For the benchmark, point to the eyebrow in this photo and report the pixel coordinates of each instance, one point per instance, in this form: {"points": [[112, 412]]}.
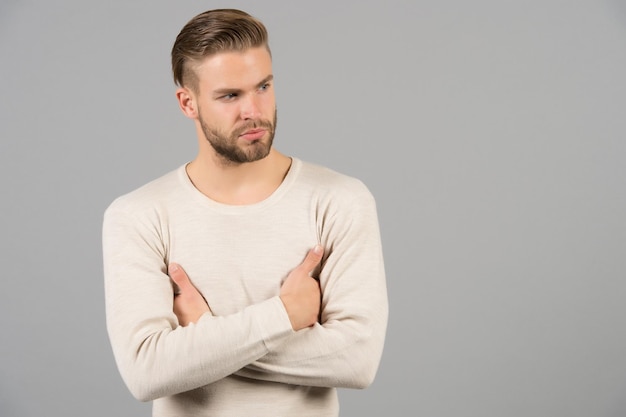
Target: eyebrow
{"points": [[225, 91]]}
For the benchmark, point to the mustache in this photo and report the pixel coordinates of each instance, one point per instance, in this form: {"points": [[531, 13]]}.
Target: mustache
{"points": [[253, 124]]}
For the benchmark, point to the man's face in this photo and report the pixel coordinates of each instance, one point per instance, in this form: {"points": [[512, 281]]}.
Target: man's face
{"points": [[236, 104]]}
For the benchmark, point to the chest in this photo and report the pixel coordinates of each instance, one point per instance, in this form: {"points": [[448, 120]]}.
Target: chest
{"points": [[239, 260]]}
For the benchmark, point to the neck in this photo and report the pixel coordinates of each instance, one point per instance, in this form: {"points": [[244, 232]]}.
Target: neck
{"points": [[238, 184]]}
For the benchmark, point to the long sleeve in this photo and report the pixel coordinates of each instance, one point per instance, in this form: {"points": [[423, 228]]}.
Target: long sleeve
{"points": [[345, 349], [155, 356]]}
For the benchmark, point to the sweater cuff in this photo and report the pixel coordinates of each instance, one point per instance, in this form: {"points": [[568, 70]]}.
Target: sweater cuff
{"points": [[274, 325]]}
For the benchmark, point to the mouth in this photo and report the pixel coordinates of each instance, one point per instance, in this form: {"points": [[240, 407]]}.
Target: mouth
{"points": [[253, 134]]}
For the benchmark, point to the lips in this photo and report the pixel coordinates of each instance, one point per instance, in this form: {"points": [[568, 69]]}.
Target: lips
{"points": [[253, 134]]}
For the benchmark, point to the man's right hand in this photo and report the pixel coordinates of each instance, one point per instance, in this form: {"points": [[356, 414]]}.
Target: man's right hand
{"points": [[300, 293], [189, 304]]}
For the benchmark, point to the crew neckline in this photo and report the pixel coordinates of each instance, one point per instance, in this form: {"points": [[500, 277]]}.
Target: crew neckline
{"points": [[206, 201]]}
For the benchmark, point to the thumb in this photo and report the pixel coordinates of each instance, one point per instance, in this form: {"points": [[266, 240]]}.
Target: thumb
{"points": [[312, 258], [179, 276]]}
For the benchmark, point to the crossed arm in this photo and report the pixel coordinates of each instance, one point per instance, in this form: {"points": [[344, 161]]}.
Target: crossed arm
{"points": [[341, 344]]}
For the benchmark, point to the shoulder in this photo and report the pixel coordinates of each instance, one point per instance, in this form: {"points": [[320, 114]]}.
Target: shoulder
{"points": [[149, 197], [334, 191], [333, 183]]}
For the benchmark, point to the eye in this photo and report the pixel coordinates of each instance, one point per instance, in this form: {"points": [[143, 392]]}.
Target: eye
{"points": [[265, 87], [228, 97]]}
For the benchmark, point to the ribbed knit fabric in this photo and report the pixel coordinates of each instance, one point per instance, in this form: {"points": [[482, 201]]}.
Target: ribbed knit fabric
{"points": [[243, 358]]}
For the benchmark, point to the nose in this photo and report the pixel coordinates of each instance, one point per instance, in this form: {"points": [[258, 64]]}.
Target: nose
{"points": [[250, 107]]}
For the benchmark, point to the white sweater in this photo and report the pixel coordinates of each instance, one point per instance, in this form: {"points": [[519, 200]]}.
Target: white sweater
{"points": [[244, 359]]}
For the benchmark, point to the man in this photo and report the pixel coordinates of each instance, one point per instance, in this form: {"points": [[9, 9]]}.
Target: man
{"points": [[246, 282]]}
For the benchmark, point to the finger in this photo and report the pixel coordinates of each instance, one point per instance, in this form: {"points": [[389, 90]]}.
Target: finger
{"points": [[179, 276], [312, 258]]}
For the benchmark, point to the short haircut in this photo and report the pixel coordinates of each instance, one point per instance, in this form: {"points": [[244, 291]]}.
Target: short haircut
{"points": [[212, 32]]}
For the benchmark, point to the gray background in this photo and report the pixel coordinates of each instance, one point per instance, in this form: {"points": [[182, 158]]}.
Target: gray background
{"points": [[490, 132]]}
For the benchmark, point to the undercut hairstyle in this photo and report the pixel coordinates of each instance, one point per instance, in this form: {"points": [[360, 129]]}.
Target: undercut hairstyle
{"points": [[212, 32]]}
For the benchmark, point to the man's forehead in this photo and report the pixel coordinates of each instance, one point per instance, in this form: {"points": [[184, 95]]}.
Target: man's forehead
{"points": [[235, 67]]}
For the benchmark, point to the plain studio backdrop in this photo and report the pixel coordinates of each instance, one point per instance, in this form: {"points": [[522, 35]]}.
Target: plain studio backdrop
{"points": [[492, 134]]}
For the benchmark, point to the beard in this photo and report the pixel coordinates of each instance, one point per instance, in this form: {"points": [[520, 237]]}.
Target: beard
{"points": [[226, 144]]}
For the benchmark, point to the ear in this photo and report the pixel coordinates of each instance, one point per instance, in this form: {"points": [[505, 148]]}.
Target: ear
{"points": [[187, 102]]}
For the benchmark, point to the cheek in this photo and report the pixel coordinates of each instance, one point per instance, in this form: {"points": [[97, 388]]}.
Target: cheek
{"points": [[269, 105], [222, 116]]}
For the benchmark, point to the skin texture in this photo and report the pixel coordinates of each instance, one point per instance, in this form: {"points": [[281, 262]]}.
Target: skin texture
{"points": [[234, 112]]}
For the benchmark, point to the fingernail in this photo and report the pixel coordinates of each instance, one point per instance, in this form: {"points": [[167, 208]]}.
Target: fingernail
{"points": [[317, 249], [173, 268]]}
